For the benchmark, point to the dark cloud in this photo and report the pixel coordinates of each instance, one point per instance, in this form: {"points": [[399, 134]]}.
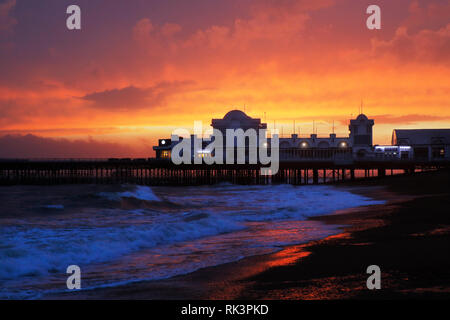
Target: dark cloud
{"points": [[31, 146], [427, 14], [131, 97], [6, 21], [425, 46]]}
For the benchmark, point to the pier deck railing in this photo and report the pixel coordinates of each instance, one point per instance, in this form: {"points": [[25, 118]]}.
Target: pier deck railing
{"points": [[163, 172]]}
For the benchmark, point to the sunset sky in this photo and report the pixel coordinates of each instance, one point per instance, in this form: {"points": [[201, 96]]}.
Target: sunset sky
{"points": [[139, 69]]}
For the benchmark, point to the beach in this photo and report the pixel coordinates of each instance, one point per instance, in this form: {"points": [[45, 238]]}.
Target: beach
{"points": [[407, 237]]}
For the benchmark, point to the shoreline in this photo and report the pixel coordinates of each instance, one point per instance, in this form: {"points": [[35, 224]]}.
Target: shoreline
{"points": [[330, 268], [204, 277]]}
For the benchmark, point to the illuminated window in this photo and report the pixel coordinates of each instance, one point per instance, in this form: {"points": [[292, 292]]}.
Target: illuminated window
{"points": [[438, 152], [204, 153], [165, 154]]}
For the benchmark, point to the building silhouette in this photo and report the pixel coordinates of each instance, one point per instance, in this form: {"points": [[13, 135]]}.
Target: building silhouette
{"points": [[416, 144], [426, 144], [359, 142]]}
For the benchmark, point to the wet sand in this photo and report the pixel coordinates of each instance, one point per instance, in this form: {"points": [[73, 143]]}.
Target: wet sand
{"points": [[408, 238]]}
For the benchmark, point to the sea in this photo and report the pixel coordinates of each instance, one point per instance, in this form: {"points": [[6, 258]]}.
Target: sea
{"points": [[120, 234]]}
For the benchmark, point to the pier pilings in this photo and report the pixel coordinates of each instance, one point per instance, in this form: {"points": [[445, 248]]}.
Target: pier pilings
{"points": [[156, 172]]}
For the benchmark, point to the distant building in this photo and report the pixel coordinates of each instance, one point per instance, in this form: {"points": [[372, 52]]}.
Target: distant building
{"points": [[164, 148], [361, 135], [393, 152], [427, 144], [234, 119], [357, 144], [314, 147], [237, 119]]}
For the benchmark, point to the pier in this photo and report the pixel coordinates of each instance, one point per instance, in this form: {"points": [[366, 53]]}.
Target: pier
{"points": [[157, 172]]}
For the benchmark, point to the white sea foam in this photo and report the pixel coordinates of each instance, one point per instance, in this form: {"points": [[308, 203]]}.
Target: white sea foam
{"points": [[225, 216], [271, 203], [39, 251], [138, 192]]}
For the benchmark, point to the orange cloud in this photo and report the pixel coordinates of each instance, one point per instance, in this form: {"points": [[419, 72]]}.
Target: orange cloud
{"points": [[291, 60]]}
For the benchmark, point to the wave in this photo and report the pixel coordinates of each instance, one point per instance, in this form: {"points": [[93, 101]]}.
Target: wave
{"points": [[39, 251], [164, 219], [140, 192], [272, 203]]}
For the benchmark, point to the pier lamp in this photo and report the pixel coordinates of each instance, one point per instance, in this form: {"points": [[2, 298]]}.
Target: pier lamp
{"points": [[163, 142], [304, 144], [204, 153], [343, 144]]}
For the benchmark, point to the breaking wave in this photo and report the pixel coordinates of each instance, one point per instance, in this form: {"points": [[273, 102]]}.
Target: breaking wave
{"points": [[188, 227], [139, 192], [39, 251]]}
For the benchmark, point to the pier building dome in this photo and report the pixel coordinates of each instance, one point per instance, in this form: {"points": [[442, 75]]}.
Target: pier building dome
{"points": [[235, 115]]}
